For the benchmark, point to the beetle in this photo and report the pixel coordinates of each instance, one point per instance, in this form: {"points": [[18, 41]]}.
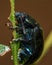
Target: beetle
{"points": [[31, 38]]}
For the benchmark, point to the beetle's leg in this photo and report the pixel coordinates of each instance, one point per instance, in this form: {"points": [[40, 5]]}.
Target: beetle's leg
{"points": [[9, 25], [20, 51], [15, 39], [14, 28], [18, 39]]}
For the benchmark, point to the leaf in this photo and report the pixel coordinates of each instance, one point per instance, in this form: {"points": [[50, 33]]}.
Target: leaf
{"points": [[4, 49]]}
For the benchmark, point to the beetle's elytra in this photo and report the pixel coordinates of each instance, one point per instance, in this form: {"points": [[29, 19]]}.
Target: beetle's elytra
{"points": [[31, 38]]}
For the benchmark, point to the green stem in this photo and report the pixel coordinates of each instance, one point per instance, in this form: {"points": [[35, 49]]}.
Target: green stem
{"points": [[14, 45]]}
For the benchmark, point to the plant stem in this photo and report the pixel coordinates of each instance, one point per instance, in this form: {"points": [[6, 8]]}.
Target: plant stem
{"points": [[14, 45]]}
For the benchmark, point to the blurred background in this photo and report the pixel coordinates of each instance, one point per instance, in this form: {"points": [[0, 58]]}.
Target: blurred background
{"points": [[40, 10]]}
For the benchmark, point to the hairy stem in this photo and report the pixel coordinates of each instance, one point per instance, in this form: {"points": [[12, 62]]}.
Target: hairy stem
{"points": [[14, 45]]}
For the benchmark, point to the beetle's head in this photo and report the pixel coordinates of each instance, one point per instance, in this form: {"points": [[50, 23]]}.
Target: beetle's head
{"points": [[26, 19]]}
